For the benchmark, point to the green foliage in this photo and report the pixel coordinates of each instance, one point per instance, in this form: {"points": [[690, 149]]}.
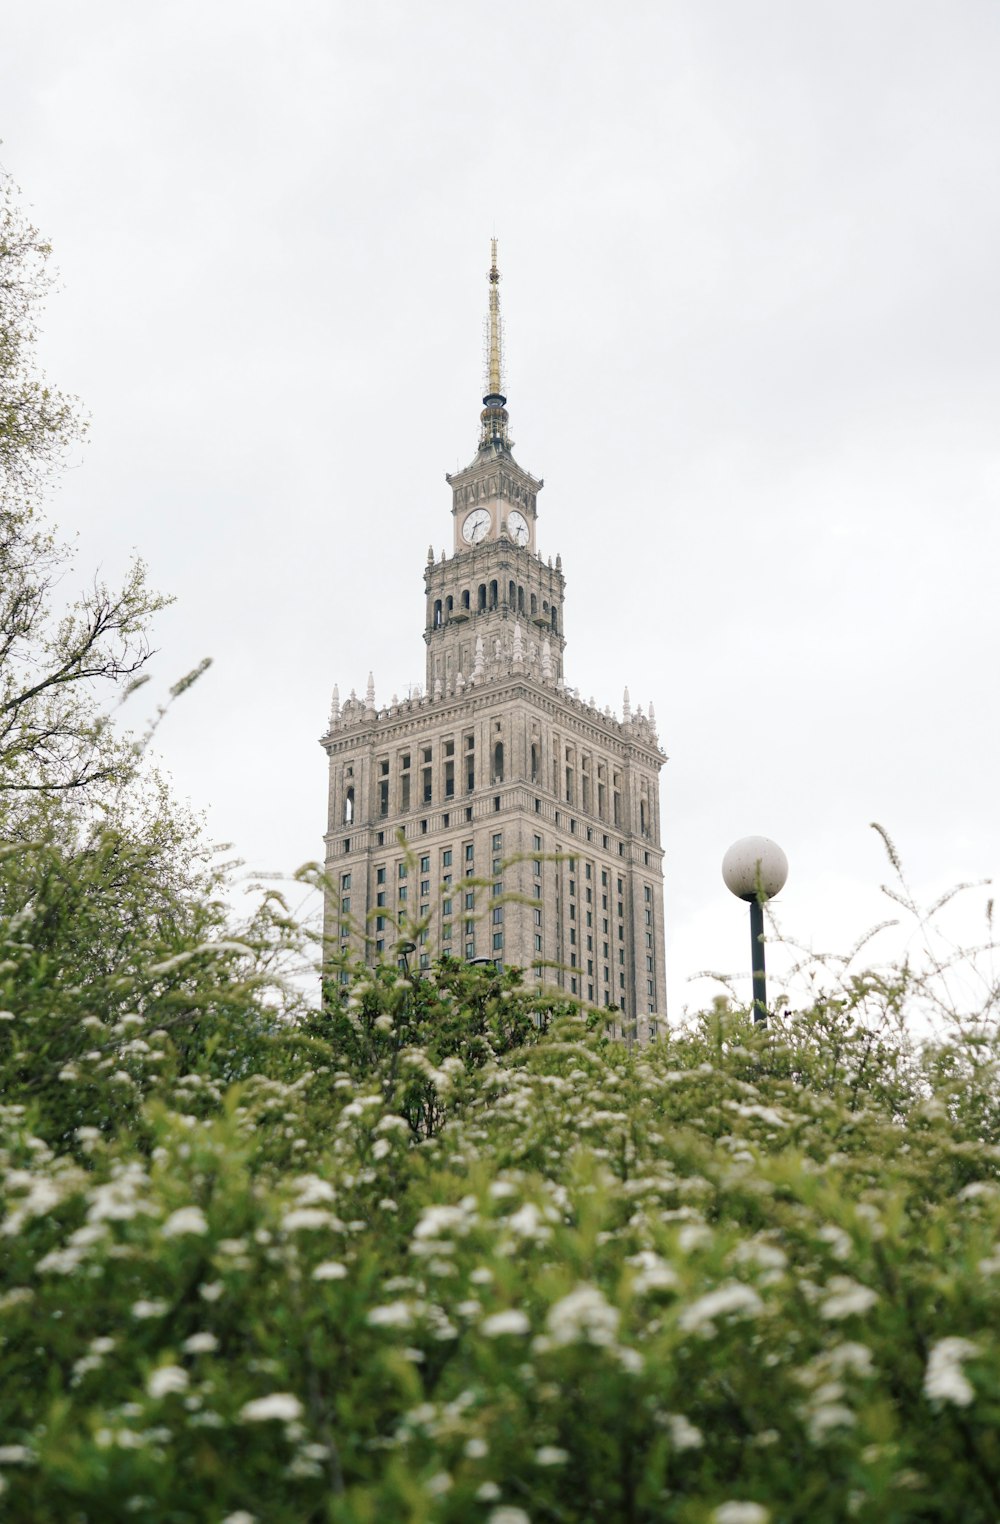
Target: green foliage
{"points": [[433, 1254], [53, 732]]}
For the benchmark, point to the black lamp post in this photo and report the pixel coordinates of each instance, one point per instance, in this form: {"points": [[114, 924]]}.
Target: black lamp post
{"points": [[755, 869]]}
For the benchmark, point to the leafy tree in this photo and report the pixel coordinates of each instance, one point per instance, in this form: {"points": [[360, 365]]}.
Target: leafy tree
{"points": [[53, 659]]}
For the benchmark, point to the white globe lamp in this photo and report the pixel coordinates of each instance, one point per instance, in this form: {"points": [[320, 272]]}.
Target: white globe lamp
{"points": [[755, 869]]}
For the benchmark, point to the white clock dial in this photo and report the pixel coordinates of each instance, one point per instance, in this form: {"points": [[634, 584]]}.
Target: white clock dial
{"points": [[517, 527], [476, 526]]}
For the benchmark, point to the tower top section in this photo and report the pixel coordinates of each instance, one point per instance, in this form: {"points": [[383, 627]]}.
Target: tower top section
{"points": [[493, 435]]}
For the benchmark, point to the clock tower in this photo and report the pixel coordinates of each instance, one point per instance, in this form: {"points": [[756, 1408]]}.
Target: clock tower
{"points": [[497, 814]]}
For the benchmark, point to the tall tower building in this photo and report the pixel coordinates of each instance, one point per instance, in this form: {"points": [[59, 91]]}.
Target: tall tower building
{"points": [[496, 814]]}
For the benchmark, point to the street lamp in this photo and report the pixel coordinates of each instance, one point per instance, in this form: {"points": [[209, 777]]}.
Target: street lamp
{"points": [[755, 869]]}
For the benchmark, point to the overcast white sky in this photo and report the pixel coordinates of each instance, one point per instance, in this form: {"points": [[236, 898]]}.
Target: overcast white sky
{"points": [[750, 252]]}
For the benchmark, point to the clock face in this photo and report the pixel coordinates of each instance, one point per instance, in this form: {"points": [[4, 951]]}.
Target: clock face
{"points": [[517, 527], [476, 526]]}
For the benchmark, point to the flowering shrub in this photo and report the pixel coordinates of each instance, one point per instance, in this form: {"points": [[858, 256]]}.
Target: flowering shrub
{"points": [[437, 1254]]}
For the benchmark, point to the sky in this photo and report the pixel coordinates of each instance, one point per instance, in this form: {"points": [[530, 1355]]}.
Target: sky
{"points": [[750, 255]]}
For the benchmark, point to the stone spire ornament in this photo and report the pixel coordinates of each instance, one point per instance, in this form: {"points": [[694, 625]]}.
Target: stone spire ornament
{"points": [[335, 705], [546, 661], [518, 648], [626, 708]]}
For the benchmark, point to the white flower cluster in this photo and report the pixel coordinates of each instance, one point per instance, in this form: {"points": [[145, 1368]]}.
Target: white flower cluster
{"points": [[585, 1315], [846, 1298], [734, 1299], [944, 1378]]}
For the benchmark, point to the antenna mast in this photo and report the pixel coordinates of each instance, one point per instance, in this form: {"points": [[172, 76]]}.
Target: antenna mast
{"points": [[493, 434]]}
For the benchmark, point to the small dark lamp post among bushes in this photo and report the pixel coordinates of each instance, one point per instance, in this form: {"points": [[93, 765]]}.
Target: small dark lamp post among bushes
{"points": [[755, 869]]}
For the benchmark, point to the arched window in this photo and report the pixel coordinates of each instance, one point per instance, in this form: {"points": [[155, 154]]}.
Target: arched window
{"points": [[555, 622], [643, 820], [349, 806], [534, 763], [520, 600], [481, 597], [494, 594], [534, 604], [465, 599], [512, 595], [449, 606], [498, 762], [437, 613]]}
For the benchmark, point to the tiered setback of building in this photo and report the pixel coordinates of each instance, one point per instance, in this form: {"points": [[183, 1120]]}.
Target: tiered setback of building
{"points": [[495, 815]]}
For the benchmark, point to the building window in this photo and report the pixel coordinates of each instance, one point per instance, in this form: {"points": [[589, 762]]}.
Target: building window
{"points": [[401, 870], [497, 941], [446, 858], [470, 900], [345, 881], [468, 852], [470, 949], [538, 915], [498, 915], [425, 865], [538, 942], [425, 886], [497, 841], [402, 891], [380, 875], [380, 897]]}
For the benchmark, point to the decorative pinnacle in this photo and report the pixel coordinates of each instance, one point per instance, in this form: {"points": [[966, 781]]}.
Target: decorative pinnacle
{"points": [[494, 414]]}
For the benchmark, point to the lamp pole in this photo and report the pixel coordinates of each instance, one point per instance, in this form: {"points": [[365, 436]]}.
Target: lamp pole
{"points": [[755, 869]]}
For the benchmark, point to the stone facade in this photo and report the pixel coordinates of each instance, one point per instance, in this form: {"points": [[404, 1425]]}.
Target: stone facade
{"points": [[495, 814]]}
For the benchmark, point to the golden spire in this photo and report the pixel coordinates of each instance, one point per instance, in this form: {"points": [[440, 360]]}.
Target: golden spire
{"points": [[494, 369], [494, 414]]}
